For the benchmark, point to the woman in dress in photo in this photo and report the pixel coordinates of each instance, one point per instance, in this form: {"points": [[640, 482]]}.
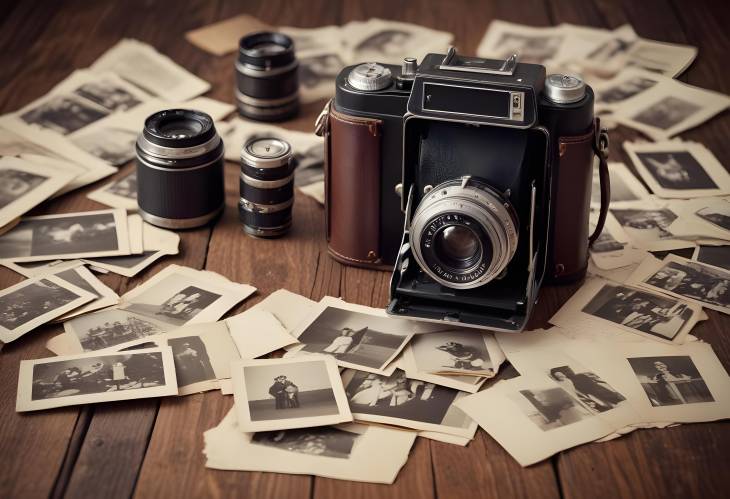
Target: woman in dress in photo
{"points": [[341, 343], [589, 389]]}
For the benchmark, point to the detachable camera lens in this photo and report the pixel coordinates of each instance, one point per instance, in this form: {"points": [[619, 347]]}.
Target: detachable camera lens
{"points": [[267, 83], [463, 233], [179, 169], [267, 187]]}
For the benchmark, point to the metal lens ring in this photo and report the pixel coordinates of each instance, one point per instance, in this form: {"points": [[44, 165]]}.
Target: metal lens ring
{"points": [[463, 233]]}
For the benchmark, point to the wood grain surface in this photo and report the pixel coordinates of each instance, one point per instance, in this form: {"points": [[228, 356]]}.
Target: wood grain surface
{"points": [[153, 448]]}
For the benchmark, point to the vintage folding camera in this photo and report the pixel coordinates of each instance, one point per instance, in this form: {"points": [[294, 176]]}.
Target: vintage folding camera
{"points": [[472, 177]]}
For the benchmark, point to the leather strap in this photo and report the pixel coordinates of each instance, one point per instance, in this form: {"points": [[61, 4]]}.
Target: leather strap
{"points": [[600, 147]]}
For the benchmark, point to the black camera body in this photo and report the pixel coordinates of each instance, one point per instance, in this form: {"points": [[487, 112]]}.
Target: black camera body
{"points": [[472, 159]]}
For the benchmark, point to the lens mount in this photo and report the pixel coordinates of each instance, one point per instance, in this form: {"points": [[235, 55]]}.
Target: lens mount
{"points": [[463, 233]]}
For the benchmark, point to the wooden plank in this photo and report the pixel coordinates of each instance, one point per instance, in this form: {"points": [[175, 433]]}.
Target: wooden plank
{"points": [[292, 262]]}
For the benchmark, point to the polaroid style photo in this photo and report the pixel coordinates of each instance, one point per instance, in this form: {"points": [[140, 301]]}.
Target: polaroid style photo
{"points": [[625, 187], [354, 336], [458, 351], [120, 193], [36, 301], [674, 169], [716, 256], [82, 278], [603, 304], [363, 453], [24, 185], [397, 400], [533, 418], [142, 65], [671, 108], [695, 282], [93, 378], [280, 394], [677, 384], [67, 236], [180, 295]]}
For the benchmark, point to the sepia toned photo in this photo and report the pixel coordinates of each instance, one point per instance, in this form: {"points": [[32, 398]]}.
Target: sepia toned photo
{"points": [[325, 441], [15, 183], [551, 408], [629, 309], [111, 327], [317, 73], [63, 114], [678, 170], [71, 235], [280, 394], [670, 380], [36, 301], [455, 351], [90, 378], [400, 401], [120, 193], [354, 339], [667, 112], [192, 364]]}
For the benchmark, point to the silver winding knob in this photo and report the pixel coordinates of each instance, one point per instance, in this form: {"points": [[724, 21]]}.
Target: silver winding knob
{"points": [[369, 77]]}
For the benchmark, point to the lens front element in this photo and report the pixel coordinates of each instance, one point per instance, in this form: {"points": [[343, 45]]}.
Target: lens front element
{"points": [[463, 234]]}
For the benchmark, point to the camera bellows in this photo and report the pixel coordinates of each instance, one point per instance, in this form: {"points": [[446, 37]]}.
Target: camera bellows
{"points": [[179, 169], [267, 83], [267, 187]]}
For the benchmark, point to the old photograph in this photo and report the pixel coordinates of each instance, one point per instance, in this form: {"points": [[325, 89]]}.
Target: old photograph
{"points": [[400, 401], [693, 281], [107, 93], [71, 235], [600, 303], [115, 145], [82, 278], [180, 295], [551, 408], [717, 256], [390, 41], [192, 363], [622, 88], [667, 113], [587, 388], [718, 214], [63, 114], [280, 394], [111, 327], [36, 301], [624, 186], [456, 351], [366, 341], [90, 378], [649, 228], [670, 380], [142, 65], [534, 45], [24, 185], [326, 441], [317, 73]]}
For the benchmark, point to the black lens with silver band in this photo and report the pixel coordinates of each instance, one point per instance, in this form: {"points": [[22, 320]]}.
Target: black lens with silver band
{"points": [[179, 169], [267, 83], [463, 233], [266, 186]]}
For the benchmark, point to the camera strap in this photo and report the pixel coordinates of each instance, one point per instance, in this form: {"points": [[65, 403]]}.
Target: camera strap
{"points": [[600, 148]]}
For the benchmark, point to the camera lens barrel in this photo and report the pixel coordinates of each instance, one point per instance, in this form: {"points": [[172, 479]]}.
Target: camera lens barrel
{"points": [[179, 169], [267, 187], [267, 82]]}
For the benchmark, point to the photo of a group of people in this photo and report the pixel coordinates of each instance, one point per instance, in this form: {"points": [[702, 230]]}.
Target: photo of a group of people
{"points": [[108, 328], [31, 301], [695, 281]]}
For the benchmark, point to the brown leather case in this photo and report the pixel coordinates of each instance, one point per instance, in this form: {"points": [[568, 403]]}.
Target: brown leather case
{"points": [[572, 204], [352, 188]]}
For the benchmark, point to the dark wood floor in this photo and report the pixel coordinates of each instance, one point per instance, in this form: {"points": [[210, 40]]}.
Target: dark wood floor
{"points": [[153, 448]]}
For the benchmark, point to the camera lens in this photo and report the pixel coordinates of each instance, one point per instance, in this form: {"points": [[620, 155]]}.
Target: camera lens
{"points": [[267, 83], [267, 187], [463, 233], [179, 169]]}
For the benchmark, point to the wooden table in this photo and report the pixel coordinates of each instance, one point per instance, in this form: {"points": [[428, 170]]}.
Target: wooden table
{"points": [[153, 448]]}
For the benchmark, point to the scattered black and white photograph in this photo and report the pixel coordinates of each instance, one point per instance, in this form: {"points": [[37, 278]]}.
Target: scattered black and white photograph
{"points": [[111, 327], [82, 278], [676, 170], [33, 302], [606, 243], [412, 403], [645, 226], [176, 308], [119, 193], [63, 114], [88, 378], [461, 351], [387, 42], [670, 380], [695, 281], [114, 145], [108, 94], [587, 388], [279, 394], [325, 441], [67, 236], [718, 214], [358, 340], [624, 186], [651, 313], [717, 256], [125, 186], [624, 90], [667, 112], [15, 184], [551, 408], [192, 363]]}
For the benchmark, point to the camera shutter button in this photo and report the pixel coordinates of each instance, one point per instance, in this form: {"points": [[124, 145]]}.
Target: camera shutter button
{"points": [[370, 77]]}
